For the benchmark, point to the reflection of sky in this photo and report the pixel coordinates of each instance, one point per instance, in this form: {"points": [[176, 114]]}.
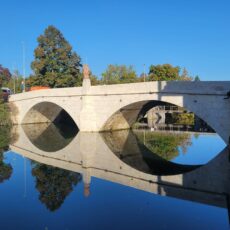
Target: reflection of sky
{"points": [[110, 206], [203, 149]]}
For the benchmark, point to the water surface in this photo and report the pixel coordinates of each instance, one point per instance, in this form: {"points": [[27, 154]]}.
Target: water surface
{"points": [[60, 179]]}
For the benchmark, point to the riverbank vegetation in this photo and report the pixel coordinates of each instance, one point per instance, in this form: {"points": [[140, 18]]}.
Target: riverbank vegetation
{"points": [[5, 169], [165, 145], [5, 124], [183, 118], [4, 114]]}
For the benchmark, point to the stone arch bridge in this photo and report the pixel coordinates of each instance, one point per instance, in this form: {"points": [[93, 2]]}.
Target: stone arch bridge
{"points": [[115, 107]]}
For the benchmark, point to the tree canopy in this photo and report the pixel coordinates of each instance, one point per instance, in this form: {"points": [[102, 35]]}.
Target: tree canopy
{"points": [[163, 72], [197, 78], [15, 82], [5, 76], [55, 64], [115, 74], [167, 72]]}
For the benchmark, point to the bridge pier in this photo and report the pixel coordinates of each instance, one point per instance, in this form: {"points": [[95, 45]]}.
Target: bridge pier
{"points": [[88, 117]]}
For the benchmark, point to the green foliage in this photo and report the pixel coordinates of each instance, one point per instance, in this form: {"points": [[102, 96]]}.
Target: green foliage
{"points": [[197, 78], [167, 72], [185, 76], [5, 127], [4, 138], [5, 169], [93, 78], [183, 118], [55, 64], [15, 82], [4, 113], [143, 77], [165, 145], [5, 76], [116, 74], [54, 184]]}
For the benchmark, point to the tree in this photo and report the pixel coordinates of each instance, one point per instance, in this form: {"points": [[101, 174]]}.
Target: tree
{"points": [[142, 77], [196, 78], [55, 64], [185, 76], [165, 72], [115, 74], [5, 76], [15, 82]]}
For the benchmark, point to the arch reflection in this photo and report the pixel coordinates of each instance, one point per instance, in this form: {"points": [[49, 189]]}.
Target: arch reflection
{"points": [[146, 153], [49, 137], [106, 156]]}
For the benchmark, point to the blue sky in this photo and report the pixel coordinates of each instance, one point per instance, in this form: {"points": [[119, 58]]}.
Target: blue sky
{"points": [[193, 34]]}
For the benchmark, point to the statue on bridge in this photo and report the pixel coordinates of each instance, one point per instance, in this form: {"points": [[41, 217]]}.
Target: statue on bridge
{"points": [[86, 71]]}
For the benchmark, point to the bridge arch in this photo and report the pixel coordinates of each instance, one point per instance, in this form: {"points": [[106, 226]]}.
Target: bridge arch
{"points": [[47, 112], [126, 116]]}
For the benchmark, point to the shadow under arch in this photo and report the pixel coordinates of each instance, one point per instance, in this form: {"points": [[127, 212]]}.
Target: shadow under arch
{"points": [[128, 149], [47, 112], [49, 127], [125, 117]]}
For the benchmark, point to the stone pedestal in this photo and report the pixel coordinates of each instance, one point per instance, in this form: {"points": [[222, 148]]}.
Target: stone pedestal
{"points": [[88, 117]]}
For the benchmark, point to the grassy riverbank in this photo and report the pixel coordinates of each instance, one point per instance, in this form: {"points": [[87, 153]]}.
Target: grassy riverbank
{"points": [[4, 114]]}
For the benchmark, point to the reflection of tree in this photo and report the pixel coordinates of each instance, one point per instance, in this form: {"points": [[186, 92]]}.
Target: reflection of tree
{"points": [[196, 135], [166, 145], [54, 184], [135, 150], [5, 169]]}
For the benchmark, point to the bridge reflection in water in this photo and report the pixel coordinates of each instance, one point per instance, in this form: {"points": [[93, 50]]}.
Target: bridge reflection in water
{"points": [[124, 158]]}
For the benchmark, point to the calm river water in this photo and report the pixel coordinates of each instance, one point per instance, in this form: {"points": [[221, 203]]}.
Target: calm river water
{"points": [[57, 178]]}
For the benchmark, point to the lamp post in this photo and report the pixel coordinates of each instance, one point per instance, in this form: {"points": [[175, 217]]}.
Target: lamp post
{"points": [[23, 67], [144, 72], [14, 76]]}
